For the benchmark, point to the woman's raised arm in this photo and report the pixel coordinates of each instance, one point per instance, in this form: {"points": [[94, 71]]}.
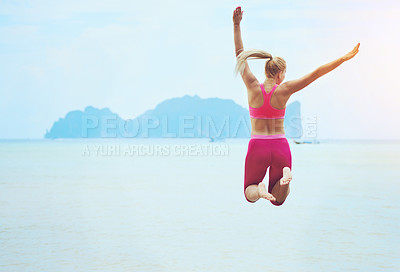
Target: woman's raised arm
{"points": [[248, 78], [292, 86], [237, 17]]}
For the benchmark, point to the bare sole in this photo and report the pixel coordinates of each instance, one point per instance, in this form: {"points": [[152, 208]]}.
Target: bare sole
{"points": [[262, 192], [287, 176]]}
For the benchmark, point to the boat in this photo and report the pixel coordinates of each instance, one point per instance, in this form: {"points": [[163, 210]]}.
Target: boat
{"points": [[217, 139], [300, 141]]}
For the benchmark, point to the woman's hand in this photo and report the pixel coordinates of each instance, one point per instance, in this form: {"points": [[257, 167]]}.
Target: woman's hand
{"points": [[352, 53], [237, 16]]}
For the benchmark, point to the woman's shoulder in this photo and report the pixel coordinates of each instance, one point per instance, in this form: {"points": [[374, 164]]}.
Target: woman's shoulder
{"points": [[279, 97], [254, 87], [281, 89]]}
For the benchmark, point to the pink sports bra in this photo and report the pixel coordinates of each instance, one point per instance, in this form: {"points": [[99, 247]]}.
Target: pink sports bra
{"points": [[266, 111]]}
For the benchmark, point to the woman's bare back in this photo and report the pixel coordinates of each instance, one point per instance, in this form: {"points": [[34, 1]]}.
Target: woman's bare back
{"points": [[278, 101]]}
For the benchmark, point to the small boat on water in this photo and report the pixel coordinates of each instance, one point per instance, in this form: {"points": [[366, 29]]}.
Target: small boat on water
{"points": [[217, 139], [299, 141]]}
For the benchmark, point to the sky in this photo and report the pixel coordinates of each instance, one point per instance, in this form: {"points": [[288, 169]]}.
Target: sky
{"points": [[58, 56]]}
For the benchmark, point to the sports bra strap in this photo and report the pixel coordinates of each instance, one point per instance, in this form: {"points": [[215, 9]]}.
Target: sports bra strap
{"points": [[262, 87], [270, 93]]}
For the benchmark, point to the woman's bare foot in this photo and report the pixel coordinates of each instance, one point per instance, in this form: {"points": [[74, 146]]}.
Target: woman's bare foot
{"points": [[262, 192], [287, 176]]}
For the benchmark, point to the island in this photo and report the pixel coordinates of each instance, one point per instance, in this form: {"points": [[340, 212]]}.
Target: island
{"points": [[178, 117]]}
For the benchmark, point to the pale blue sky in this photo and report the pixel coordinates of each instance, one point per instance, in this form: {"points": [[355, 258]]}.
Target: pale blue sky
{"points": [[58, 56]]}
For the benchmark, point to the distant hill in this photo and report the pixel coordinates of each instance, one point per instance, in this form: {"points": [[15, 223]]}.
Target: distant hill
{"points": [[292, 122], [182, 117]]}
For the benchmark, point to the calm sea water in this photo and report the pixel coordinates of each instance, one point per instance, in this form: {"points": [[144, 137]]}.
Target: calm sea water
{"points": [[149, 205]]}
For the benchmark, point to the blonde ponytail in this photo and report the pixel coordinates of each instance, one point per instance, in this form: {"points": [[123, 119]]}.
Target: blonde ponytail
{"points": [[272, 67], [249, 54]]}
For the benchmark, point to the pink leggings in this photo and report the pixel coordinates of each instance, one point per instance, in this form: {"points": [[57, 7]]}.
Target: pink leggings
{"points": [[266, 151]]}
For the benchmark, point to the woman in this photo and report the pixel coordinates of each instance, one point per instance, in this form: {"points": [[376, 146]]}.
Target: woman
{"points": [[268, 146]]}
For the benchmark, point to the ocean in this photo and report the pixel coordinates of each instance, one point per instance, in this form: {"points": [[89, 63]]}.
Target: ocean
{"points": [[178, 205]]}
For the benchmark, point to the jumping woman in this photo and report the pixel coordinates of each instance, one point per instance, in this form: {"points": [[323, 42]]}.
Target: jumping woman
{"points": [[268, 146]]}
